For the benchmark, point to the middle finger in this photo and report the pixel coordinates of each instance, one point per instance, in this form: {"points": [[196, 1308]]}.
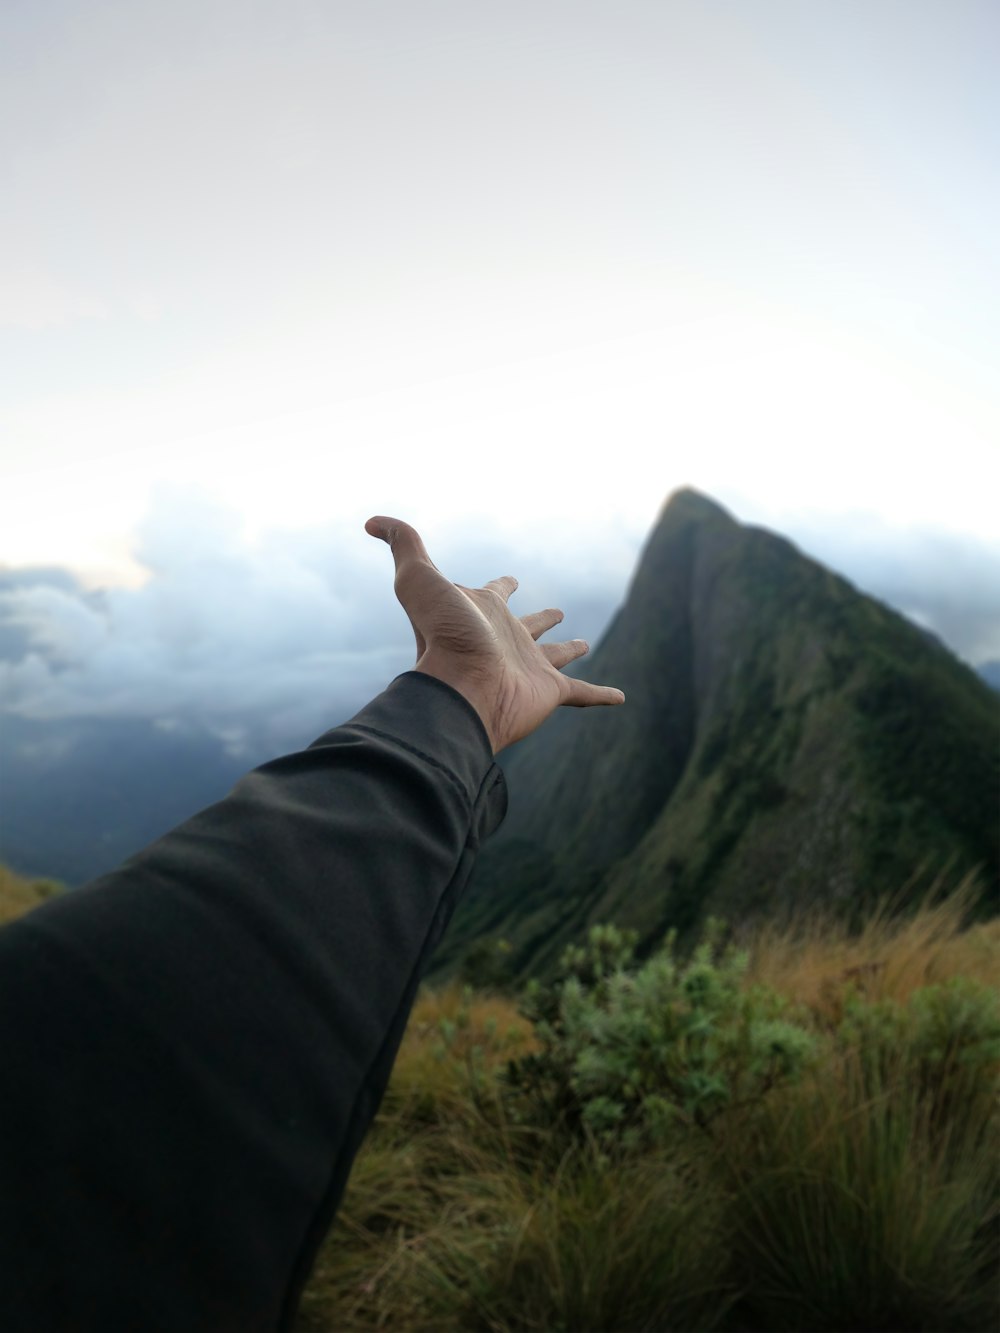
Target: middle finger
{"points": [[539, 621]]}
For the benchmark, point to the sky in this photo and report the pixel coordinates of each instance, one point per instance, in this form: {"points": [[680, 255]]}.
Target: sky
{"points": [[513, 272]]}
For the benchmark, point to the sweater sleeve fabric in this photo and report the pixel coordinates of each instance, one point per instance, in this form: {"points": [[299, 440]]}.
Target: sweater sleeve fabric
{"points": [[193, 1046]]}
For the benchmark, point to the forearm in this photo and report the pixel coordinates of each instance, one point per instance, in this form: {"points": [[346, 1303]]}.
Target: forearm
{"points": [[207, 1032]]}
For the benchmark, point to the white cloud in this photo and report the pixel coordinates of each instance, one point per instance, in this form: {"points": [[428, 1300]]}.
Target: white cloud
{"points": [[780, 218], [60, 625], [273, 634], [276, 636], [266, 638]]}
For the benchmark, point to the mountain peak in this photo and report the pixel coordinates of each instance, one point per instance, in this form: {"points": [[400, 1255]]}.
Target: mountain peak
{"points": [[689, 505], [785, 740]]}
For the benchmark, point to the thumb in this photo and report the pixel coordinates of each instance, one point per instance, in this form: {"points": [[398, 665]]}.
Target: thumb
{"points": [[413, 567], [404, 542]]}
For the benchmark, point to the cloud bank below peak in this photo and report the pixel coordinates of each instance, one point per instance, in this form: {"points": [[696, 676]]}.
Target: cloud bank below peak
{"points": [[269, 638], [265, 642]]}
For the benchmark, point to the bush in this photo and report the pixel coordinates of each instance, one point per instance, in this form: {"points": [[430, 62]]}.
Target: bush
{"points": [[630, 1052]]}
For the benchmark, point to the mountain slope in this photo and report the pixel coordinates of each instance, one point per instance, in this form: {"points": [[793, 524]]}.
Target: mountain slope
{"points": [[785, 739]]}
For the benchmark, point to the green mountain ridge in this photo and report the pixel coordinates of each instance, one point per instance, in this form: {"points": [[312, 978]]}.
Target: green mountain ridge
{"points": [[786, 740]]}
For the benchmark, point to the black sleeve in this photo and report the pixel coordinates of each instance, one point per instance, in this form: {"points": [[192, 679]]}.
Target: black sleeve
{"points": [[193, 1046]]}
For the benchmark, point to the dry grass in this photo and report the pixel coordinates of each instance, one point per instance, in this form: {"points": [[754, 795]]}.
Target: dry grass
{"points": [[455, 1044], [19, 894], [438, 1180], [816, 961]]}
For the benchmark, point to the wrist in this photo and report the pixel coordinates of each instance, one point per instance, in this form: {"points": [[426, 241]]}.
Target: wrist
{"points": [[480, 697]]}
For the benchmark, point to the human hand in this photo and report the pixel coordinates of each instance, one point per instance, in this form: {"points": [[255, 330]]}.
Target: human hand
{"points": [[469, 638]]}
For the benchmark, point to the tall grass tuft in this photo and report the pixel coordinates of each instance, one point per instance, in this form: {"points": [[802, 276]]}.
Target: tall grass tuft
{"points": [[854, 1209], [816, 960], [629, 1245]]}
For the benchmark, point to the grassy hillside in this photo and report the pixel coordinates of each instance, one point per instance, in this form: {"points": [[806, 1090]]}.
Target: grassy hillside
{"points": [[18, 894], [797, 1133], [799, 1137]]}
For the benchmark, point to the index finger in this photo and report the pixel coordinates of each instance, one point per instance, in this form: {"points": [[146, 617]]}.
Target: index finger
{"points": [[503, 586]]}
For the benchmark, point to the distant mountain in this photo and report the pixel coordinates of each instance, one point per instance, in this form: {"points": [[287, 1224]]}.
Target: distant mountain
{"points": [[785, 741], [990, 672], [77, 796]]}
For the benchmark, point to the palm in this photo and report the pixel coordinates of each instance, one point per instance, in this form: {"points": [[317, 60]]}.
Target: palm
{"points": [[469, 638]]}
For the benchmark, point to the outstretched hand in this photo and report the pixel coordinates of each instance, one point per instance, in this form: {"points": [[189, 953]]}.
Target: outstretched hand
{"points": [[469, 638]]}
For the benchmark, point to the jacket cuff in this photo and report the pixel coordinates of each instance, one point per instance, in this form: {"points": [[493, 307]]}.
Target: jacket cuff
{"points": [[435, 722]]}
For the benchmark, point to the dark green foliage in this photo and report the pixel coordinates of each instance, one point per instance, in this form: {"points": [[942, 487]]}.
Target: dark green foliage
{"points": [[488, 965], [915, 721]]}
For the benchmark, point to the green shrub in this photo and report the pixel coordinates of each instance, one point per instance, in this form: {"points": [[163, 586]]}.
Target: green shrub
{"points": [[630, 1052]]}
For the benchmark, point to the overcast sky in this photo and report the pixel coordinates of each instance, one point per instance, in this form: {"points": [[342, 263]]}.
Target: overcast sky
{"points": [[513, 271]]}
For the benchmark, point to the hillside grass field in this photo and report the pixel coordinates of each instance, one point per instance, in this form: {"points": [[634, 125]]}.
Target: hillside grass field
{"points": [[792, 1131], [807, 1142]]}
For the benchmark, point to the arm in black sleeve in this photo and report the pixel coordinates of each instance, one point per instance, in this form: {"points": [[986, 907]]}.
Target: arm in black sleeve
{"points": [[193, 1046]]}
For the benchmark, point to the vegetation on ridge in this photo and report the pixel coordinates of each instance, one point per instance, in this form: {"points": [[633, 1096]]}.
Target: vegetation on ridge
{"points": [[787, 742]]}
